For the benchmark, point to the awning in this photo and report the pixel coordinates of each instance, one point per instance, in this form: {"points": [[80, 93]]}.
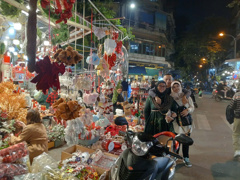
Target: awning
{"points": [[137, 70], [232, 60], [152, 72]]}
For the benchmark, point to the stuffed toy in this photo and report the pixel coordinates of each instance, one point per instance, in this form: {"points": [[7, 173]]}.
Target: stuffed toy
{"points": [[68, 56], [67, 110]]}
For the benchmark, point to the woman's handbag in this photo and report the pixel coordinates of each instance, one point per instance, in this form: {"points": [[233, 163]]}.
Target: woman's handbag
{"points": [[186, 120]]}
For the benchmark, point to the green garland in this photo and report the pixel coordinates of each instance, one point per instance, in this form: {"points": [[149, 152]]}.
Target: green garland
{"points": [[2, 48], [9, 10], [61, 34], [115, 94]]}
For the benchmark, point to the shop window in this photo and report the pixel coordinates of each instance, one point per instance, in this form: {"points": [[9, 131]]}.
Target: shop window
{"points": [[134, 47]]}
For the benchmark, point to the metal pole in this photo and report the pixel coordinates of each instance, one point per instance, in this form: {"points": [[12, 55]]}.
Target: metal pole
{"points": [[235, 48], [83, 34]]}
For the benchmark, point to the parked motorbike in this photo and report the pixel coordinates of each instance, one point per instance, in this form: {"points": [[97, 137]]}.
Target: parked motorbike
{"points": [[148, 157], [219, 97]]}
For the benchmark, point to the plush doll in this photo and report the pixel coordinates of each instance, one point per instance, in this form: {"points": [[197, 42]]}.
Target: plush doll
{"points": [[55, 56], [68, 56], [59, 101], [73, 105]]}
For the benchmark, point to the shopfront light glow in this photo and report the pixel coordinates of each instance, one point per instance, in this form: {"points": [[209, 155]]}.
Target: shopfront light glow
{"points": [[17, 26], [16, 42], [11, 49]]}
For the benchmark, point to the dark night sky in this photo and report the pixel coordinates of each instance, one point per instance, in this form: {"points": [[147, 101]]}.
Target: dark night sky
{"points": [[197, 10]]}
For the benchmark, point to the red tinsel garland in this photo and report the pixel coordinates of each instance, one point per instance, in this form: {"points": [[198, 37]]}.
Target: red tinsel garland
{"points": [[64, 14]]}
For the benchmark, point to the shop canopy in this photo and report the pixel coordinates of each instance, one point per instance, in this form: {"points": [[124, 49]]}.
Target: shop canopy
{"points": [[137, 70], [152, 72]]}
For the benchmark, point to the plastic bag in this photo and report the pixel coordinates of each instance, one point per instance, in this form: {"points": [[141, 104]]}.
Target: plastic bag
{"points": [[41, 161], [9, 170], [14, 153]]}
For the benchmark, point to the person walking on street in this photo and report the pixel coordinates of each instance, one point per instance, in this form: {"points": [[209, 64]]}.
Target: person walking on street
{"points": [[125, 89], [153, 83], [235, 105], [155, 111], [177, 94], [168, 80]]}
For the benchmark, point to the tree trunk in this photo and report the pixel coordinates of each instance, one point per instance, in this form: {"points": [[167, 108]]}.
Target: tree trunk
{"points": [[32, 35]]}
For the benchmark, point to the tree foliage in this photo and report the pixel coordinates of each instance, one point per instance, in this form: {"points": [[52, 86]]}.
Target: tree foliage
{"points": [[202, 42], [234, 3]]}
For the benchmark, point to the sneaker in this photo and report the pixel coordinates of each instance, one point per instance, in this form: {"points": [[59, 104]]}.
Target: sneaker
{"points": [[187, 162], [237, 154]]}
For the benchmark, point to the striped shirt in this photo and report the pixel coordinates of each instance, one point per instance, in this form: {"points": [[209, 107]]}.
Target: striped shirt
{"points": [[235, 104]]}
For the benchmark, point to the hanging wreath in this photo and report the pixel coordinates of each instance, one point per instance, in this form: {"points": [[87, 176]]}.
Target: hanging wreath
{"points": [[61, 12], [9, 10]]}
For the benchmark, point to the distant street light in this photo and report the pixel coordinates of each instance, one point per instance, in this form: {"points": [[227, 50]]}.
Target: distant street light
{"points": [[235, 43], [200, 66], [203, 59], [132, 5]]}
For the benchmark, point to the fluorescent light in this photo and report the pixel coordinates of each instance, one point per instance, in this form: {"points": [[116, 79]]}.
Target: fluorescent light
{"points": [[17, 26], [132, 5], [16, 42]]}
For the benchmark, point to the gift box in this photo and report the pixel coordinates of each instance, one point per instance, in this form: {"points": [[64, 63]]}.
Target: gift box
{"points": [[67, 153]]}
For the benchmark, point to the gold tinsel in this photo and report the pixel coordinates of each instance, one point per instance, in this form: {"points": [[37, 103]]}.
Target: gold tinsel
{"points": [[13, 103]]}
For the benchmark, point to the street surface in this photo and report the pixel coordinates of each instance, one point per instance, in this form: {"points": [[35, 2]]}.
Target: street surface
{"points": [[212, 151]]}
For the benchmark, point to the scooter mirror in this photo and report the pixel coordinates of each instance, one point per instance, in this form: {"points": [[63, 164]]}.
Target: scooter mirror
{"points": [[120, 121], [184, 139]]}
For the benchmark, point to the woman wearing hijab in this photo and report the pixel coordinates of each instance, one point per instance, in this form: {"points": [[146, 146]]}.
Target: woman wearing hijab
{"points": [[155, 112], [177, 94]]}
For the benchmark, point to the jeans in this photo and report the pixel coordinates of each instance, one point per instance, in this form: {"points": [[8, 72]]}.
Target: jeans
{"points": [[125, 94], [236, 134]]}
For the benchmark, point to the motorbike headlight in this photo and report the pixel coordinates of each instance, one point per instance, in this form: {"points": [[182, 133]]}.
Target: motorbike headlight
{"points": [[140, 148]]}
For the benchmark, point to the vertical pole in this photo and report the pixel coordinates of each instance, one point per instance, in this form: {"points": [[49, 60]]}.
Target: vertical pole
{"points": [[75, 34], [235, 48], [83, 33]]}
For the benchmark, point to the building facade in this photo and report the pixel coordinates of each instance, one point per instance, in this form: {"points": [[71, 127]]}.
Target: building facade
{"points": [[154, 31]]}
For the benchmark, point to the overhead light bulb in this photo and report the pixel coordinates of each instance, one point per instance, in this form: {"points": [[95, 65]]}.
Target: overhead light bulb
{"points": [[16, 42], [17, 26], [11, 31], [11, 49], [46, 43]]}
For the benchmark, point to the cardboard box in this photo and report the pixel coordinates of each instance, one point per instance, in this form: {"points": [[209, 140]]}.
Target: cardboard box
{"points": [[67, 153], [50, 145]]}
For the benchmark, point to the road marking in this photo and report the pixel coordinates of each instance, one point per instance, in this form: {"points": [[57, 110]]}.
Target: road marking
{"points": [[226, 122], [202, 122]]}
